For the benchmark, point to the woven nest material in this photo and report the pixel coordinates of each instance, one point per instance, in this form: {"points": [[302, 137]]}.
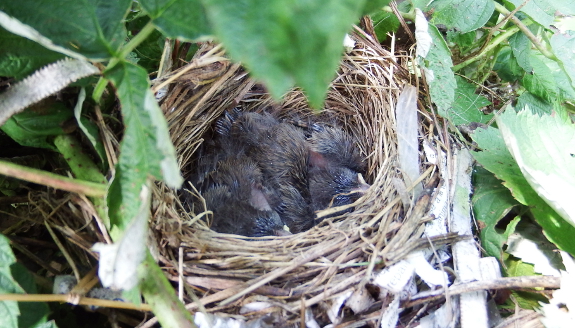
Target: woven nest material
{"points": [[299, 276], [309, 270]]}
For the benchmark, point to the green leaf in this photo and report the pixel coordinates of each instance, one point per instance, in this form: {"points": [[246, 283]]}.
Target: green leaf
{"points": [[33, 313], [541, 11], [90, 129], [464, 41], [518, 268], [383, 23], [507, 66], [521, 47], [92, 28], [491, 202], [497, 159], [536, 105], [540, 81], [440, 77], [372, 6], [149, 52], [544, 149], [463, 15], [19, 56], [286, 42], [8, 309], [35, 126], [467, 105], [183, 19], [146, 147], [560, 43]]}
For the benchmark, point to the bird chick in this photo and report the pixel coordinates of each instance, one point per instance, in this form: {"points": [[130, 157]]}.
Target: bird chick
{"points": [[335, 167], [281, 151], [234, 216], [232, 186]]}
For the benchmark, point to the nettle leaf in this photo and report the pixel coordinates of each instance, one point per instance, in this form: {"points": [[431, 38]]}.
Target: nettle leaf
{"points": [[536, 105], [92, 28], [146, 147], [541, 11], [521, 47], [560, 43], [183, 19], [463, 41], [19, 56], [463, 15], [491, 202], [440, 77], [286, 42], [544, 149], [467, 105], [540, 81], [507, 67], [496, 158]]}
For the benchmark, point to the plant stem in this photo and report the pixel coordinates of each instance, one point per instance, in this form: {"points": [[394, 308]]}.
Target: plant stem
{"points": [[494, 43], [524, 29], [160, 296], [131, 45], [52, 180], [84, 168]]}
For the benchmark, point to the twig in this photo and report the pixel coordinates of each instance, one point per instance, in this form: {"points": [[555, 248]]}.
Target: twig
{"points": [[501, 283]]}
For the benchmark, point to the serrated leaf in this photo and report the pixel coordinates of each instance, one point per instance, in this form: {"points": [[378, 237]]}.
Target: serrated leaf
{"points": [[507, 67], [440, 77], [463, 15], [544, 149], [464, 41], [43, 83], [491, 202], [286, 42], [183, 19], [467, 105], [560, 44], [92, 28], [117, 268], [20, 57], [521, 47], [146, 147], [536, 105], [496, 158], [540, 80], [541, 11]]}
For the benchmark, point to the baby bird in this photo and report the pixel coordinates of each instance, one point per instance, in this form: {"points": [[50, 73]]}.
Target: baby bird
{"points": [[281, 151], [335, 167], [232, 186]]}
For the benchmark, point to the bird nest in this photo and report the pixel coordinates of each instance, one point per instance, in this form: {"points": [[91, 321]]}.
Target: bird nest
{"points": [[301, 275], [323, 274]]}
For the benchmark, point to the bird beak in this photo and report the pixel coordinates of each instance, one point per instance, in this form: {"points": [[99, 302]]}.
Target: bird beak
{"points": [[363, 186], [283, 232]]}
